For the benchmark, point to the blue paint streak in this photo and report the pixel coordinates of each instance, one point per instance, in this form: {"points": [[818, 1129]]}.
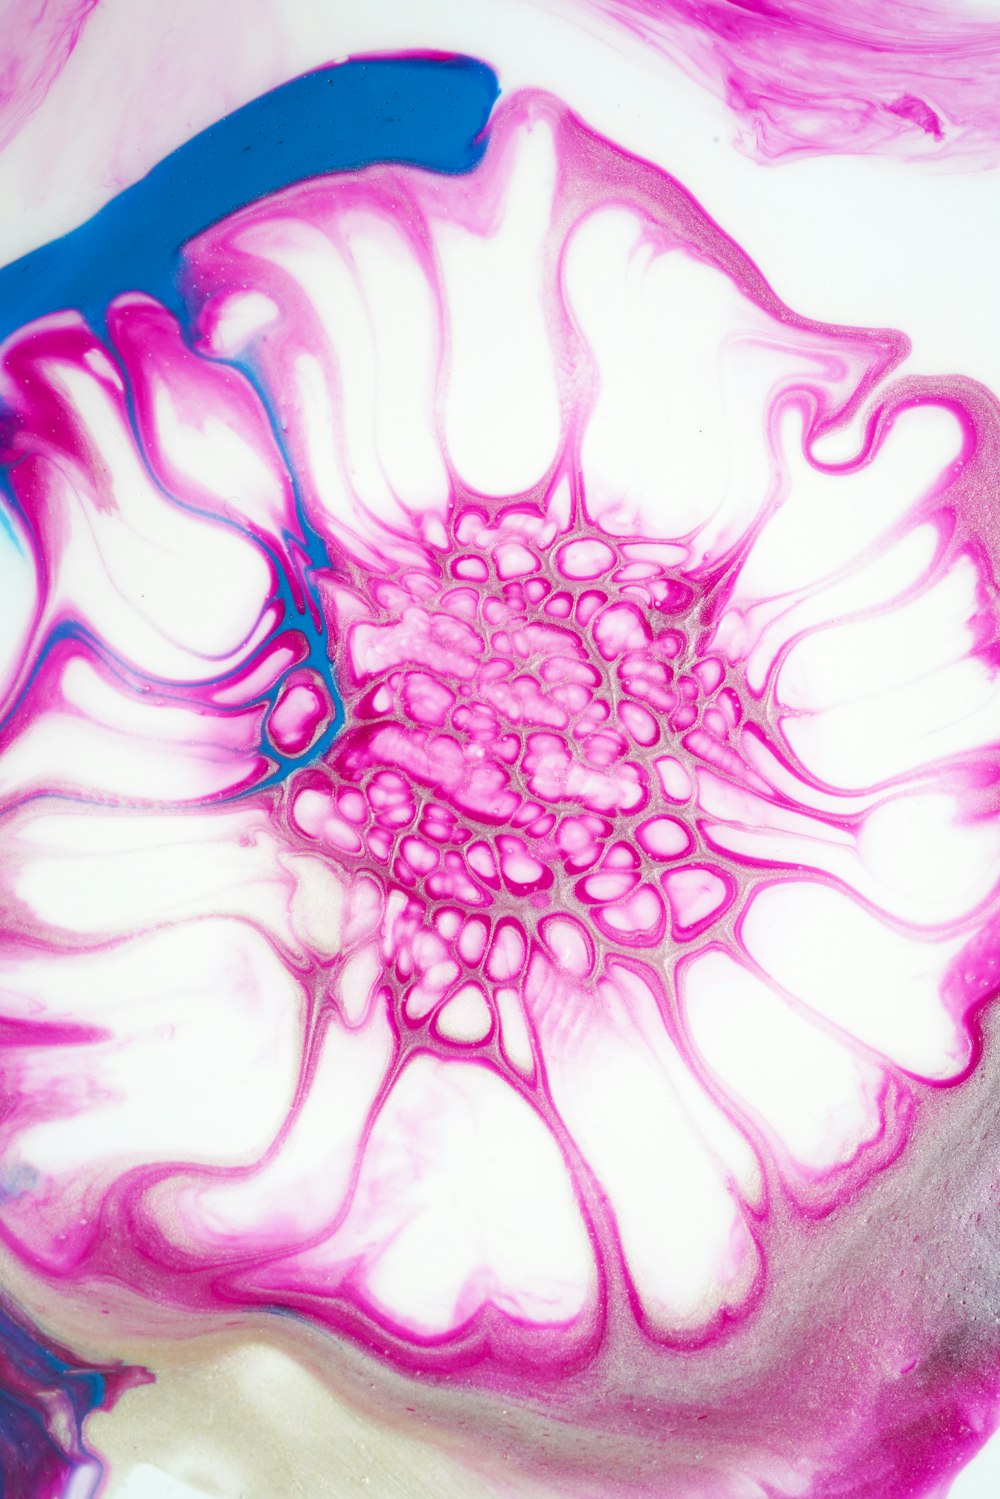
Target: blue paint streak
{"points": [[33, 1462], [429, 112], [422, 111]]}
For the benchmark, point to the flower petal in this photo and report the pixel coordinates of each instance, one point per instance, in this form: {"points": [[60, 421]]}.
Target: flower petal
{"points": [[462, 1202]]}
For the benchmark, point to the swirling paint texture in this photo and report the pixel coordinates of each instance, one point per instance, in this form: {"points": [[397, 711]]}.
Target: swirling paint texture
{"points": [[499, 825], [39, 36], [808, 78], [44, 1397]]}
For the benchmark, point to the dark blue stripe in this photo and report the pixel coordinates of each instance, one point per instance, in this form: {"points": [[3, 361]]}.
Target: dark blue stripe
{"points": [[425, 111]]}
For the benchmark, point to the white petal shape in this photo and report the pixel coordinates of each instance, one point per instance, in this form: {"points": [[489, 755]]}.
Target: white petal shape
{"points": [[366, 408], [93, 737], [830, 521], [502, 419], [819, 1102], [685, 368], [947, 713], [182, 1044], [873, 982], [96, 876], [462, 1201], [921, 638], [612, 1077], [914, 855], [302, 1186]]}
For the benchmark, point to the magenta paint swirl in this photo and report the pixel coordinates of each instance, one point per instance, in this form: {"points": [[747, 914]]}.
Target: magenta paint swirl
{"points": [[549, 1030], [803, 79]]}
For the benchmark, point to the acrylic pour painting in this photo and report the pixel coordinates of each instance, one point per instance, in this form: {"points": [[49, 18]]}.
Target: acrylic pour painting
{"points": [[499, 750]]}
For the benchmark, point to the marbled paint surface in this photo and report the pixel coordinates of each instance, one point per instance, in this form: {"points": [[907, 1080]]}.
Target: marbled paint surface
{"points": [[498, 843]]}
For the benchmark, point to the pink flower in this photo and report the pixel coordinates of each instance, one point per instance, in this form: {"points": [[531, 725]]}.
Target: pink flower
{"points": [[648, 885]]}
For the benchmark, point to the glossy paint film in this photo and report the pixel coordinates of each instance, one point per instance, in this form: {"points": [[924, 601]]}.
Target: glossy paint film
{"points": [[499, 823]]}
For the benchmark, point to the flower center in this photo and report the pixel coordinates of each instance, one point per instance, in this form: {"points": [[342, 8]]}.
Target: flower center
{"points": [[513, 768]]}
